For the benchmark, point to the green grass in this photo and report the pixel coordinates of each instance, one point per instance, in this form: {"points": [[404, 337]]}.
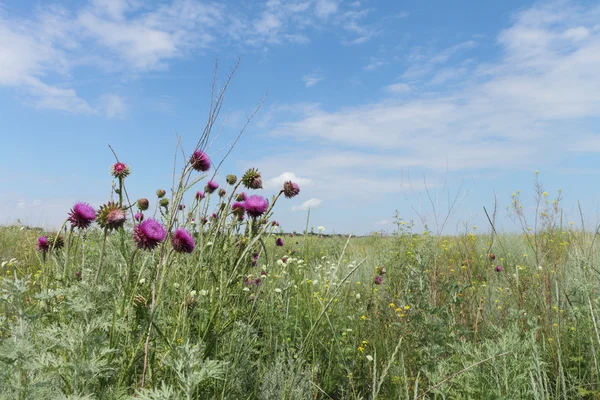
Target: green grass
{"points": [[443, 323]]}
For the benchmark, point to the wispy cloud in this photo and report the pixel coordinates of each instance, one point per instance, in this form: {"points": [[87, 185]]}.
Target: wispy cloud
{"points": [[114, 106], [509, 114], [133, 37], [312, 79], [310, 203], [277, 182]]}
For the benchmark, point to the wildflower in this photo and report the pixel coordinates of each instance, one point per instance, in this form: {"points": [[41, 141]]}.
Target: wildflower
{"points": [[378, 280], [78, 275], [369, 358], [238, 208], [381, 270], [182, 241], [256, 206], [252, 179], [120, 170], [56, 242], [164, 202], [240, 197], [160, 193], [492, 256], [279, 242], [211, 186], [200, 161], [363, 317], [42, 244], [222, 192], [357, 296], [231, 179], [111, 216], [290, 189], [181, 207], [277, 290], [143, 204], [498, 268], [274, 223], [139, 217], [149, 234], [82, 215]]}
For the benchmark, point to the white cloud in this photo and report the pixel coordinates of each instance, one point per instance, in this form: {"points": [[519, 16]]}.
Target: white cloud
{"points": [[277, 182], [507, 115], [325, 8], [311, 79], [114, 106], [311, 203], [375, 63], [398, 88]]}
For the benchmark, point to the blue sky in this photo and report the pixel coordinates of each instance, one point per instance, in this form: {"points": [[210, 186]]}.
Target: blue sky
{"points": [[369, 103]]}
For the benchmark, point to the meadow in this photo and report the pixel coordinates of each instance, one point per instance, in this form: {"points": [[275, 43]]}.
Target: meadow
{"points": [[198, 293]]}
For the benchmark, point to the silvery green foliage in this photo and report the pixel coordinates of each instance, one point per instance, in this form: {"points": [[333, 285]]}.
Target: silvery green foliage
{"points": [[286, 378], [163, 392], [192, 370], [507, 376]]}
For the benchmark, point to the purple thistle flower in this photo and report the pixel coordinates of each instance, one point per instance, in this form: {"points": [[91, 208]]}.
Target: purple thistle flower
{"points": [[199, 195], [498, 268], [42, 244], [149, 234], [284, 259], [255, 256], [182, 241], [274, 223], [181, 207], [290, 189], [378, 280], [200, 161], [211, 186], [203, 220], [82, 215], [256, 206], [279, 242], [120, 170], [214, 216], [139, 217]]}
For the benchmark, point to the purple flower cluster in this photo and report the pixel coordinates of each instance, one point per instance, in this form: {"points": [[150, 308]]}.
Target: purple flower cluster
{"points": [[279, 242]]}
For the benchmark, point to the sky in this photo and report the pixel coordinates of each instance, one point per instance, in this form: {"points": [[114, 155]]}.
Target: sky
{"points": [[370, 106]]}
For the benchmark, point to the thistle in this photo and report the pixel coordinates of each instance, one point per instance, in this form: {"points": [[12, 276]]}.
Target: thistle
{"points": [[200, 161], [164, 202], [256, 206], [56, 242], [143, 204], [82, 215], [222, 192], [120, 170], [42, 244], [290, 189], [231, 179], [160, 193], [252, 179], [182, 241], [111, 216], [199, 195], [148, 234], [211, 186]]}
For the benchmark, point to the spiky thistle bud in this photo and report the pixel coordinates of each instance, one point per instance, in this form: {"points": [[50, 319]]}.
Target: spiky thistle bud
{"points": [[252, 179], [290, 189], [240, 197], [56, 242], [222, 192], [231, 179], [120, 170], [111, 216], [164, 202], [143, 204], [160, 193]]}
